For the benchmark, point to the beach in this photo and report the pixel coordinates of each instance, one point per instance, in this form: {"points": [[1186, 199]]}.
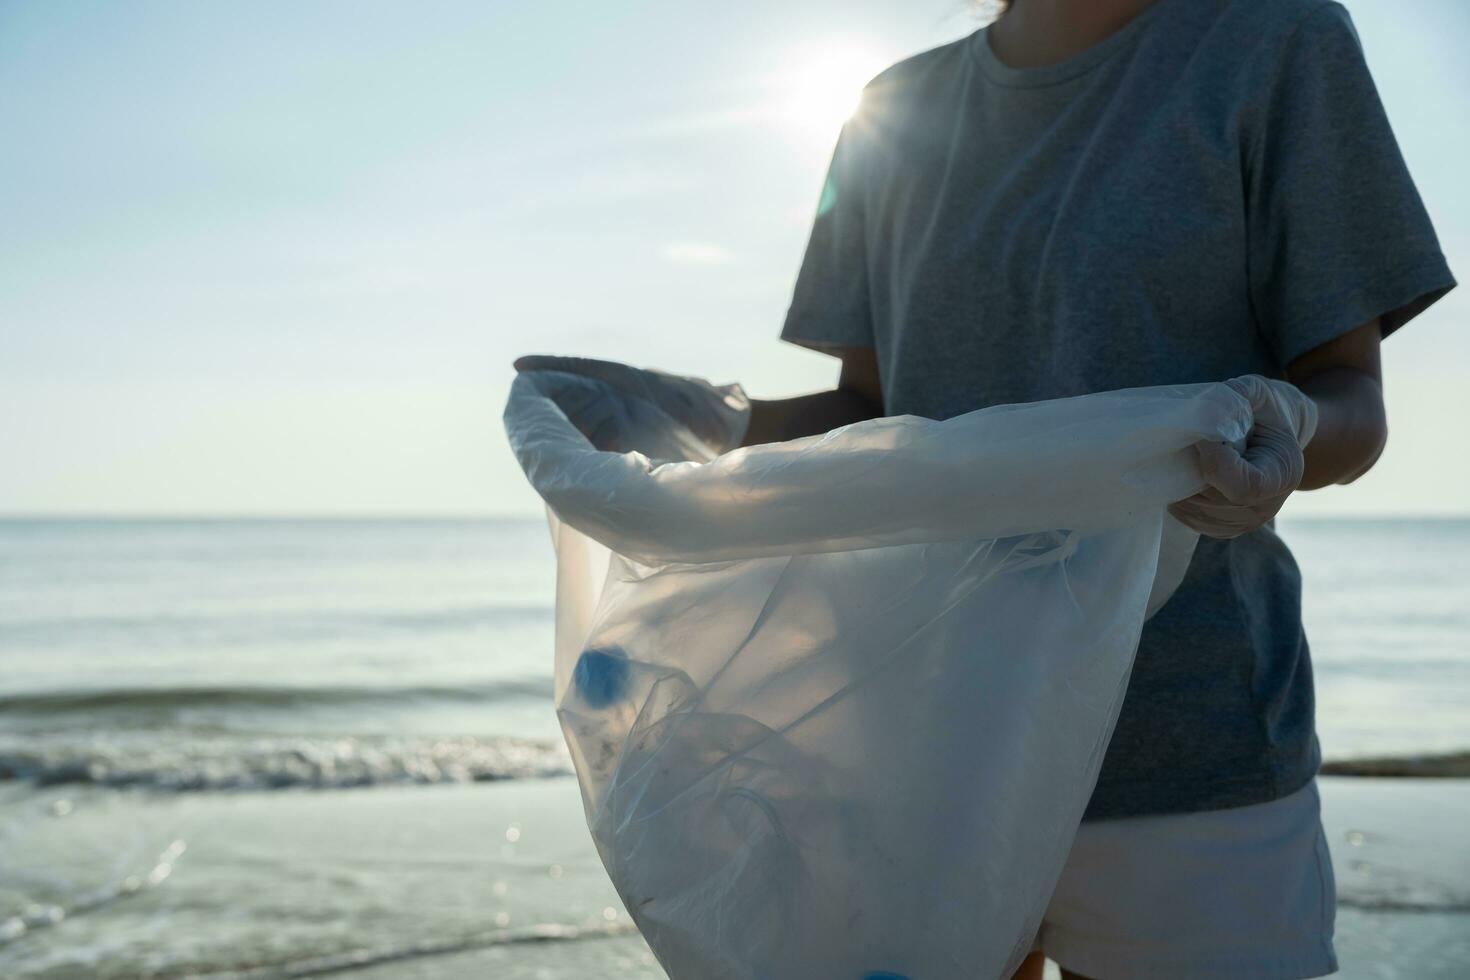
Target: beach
{"points": [[501, 879], [288, 749]]}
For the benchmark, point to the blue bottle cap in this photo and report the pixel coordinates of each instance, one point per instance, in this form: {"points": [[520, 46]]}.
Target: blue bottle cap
{"points": [[602, 676]]}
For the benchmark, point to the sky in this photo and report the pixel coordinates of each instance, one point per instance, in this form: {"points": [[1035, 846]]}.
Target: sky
{"points": [[276, 258]]}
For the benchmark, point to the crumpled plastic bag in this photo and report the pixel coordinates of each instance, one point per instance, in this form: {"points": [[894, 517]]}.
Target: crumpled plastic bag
{"points": [[837, 705]]}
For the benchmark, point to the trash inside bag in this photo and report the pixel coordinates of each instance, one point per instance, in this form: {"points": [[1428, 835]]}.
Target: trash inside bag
{"points": [[836, 705]]}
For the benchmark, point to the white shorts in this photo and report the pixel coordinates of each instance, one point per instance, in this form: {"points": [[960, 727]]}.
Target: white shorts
{"points": [[1243, 892]]}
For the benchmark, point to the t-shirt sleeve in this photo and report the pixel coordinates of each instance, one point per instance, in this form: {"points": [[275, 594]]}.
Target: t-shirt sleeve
{"points": [[829, 306], [1337, 232]]}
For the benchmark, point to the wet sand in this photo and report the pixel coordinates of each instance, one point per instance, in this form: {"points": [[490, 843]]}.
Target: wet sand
{"points": [[501, 879]]}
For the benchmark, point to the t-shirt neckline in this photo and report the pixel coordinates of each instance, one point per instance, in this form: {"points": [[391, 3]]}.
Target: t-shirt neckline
{"points": [[1086, 59]]}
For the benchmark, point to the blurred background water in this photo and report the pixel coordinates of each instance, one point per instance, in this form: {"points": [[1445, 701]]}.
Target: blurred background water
{"points": [[315, 698], [230, 654]]}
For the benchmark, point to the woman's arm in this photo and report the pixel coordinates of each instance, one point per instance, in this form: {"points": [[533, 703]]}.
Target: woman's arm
{"points": [[857, 397], [1340, 383], [1344, 378]]}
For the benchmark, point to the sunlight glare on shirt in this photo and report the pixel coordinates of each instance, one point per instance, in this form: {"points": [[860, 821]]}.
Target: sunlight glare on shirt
{"points": [[823, 88]]}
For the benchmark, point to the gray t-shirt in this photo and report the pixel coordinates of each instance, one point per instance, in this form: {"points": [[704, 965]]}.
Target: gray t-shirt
{"points": [[1213, 190]]}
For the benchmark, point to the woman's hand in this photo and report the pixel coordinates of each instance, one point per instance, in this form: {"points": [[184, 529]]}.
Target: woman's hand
{"points": [[1341, 384], [1247, 486], [716, 415]]}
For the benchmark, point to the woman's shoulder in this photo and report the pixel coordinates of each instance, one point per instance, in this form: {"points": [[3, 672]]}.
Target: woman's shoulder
{"points": [[1250, 30], [915, 72], [1244, 50], [913, 89], [1267, 26]]}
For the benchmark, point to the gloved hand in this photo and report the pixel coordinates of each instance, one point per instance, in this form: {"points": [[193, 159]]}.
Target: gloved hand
{"points": [[1247, 488], [716, 415]]}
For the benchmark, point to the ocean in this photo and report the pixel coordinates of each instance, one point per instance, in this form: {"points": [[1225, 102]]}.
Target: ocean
{"points": [[268, 747]]}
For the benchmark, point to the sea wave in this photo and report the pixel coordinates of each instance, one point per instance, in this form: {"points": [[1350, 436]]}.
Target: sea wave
{"points": [[165, 762], [279, 624], [146, 700], [1450, 902], [1442, 766], [358, 959]]}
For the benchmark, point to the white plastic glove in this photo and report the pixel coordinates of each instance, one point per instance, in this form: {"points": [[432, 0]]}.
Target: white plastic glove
{"points": [[1247, 486], [716, 415]]}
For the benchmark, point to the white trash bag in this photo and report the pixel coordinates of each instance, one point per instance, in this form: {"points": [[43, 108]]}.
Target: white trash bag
{"points": [[836, 705]]}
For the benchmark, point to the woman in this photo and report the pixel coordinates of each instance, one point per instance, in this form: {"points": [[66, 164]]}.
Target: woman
{"points": [[1098, 194]]}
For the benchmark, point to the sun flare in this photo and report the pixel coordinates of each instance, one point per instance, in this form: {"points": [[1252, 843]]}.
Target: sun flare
{"points": [[823, 87]]}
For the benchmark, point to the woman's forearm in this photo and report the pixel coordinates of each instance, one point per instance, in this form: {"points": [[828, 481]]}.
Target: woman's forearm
{"points": [[1351, 426], [780, 419]]}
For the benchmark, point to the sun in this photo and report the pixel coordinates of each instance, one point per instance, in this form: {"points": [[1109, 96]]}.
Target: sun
{"points": [[822, 88]]}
